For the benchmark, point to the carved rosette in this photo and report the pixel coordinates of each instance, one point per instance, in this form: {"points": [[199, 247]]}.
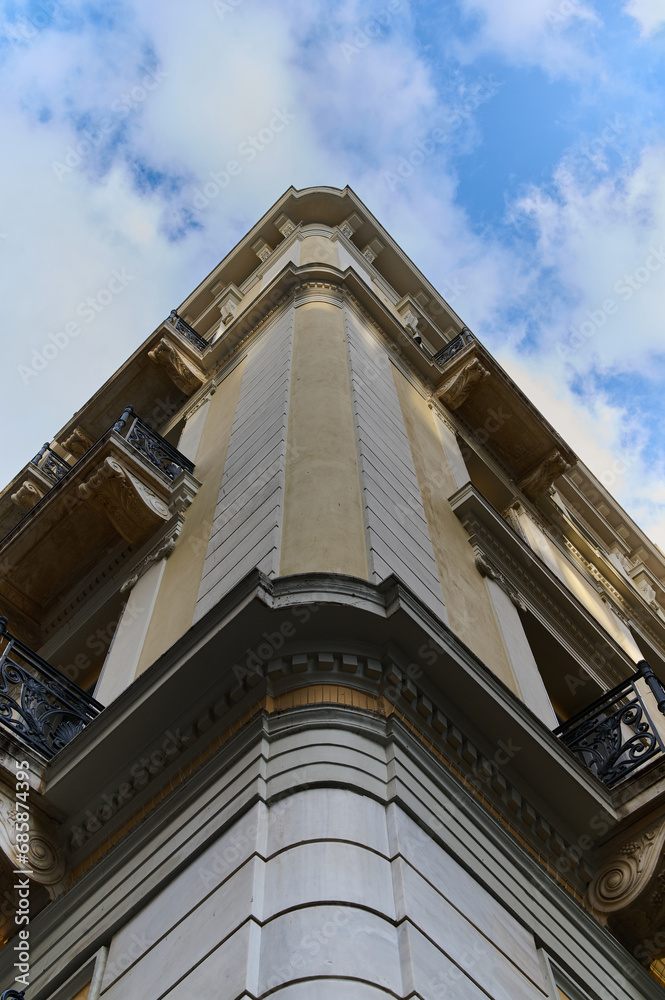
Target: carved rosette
{"points": [[27, 495], [457, 389], [133, 508], [178, 369]]}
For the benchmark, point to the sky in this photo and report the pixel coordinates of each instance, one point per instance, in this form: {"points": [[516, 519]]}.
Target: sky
{"points": [[515, 150]]}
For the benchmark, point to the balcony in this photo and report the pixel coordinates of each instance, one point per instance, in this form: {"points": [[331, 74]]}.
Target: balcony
{"points": [[621, 732], [188, 332], [120, 493], [39, 707], [499, 416]]}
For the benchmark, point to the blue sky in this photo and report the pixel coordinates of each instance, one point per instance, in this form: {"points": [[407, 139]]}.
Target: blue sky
{"points": [[538, 208]]}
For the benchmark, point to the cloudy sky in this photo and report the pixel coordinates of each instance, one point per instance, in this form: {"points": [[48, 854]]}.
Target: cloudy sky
{"points": [[537, 206]]}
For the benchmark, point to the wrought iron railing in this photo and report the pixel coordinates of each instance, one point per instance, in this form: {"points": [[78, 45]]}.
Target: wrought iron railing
{"points": [[50, 464], [151, 445], [187, 331], [39, 706], [139, 436], [616, 735], [457, 344]]}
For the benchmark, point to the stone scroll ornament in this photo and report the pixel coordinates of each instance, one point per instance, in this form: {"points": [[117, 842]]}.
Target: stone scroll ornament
{"points": [[457, 389], [27, 495], [131, 507], [627, 892], [181, 374], [539, 479]]}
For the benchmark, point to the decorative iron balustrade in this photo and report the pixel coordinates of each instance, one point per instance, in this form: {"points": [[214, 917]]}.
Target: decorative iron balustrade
{"points": [[50, 464], [139, 436], [616, 735], [39, 706], [454, 347], [187, 331], [151, 445]]}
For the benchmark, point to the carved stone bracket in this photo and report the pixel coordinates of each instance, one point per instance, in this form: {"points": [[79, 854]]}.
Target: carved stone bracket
{"points": [[628, 891], [409, 317], [43, 860], [457, 389], [78, 443], [539, 479], [229, 299], [489, 570], [162, 550], [133, 508], [181, 373], [349, 226], [372, 250], [28, 495], [285, 225], [262, 250]]}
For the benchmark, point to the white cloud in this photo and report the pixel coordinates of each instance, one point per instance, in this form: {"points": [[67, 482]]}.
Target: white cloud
{"points": [[355, 116], [540, 32], [604, 242], [603, 434], [649, 14]]}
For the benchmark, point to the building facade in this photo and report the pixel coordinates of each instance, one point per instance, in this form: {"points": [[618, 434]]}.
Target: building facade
{"points": [[327, 670]]}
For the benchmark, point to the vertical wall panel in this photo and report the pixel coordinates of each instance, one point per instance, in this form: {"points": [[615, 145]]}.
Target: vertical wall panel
{"points": [[397, 529], [246, 526]]}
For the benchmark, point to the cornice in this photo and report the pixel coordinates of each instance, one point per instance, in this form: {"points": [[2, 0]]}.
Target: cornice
{"points": [[493, 538]]}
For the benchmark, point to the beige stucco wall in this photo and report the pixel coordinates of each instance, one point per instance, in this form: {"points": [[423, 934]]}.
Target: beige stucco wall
{"points": [[174, 608], [464, 591], [323, 527], [318, 250]]}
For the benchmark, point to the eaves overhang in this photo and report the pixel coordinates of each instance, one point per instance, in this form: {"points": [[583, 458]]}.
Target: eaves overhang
{"points": [[458, 703], [491, 407]]}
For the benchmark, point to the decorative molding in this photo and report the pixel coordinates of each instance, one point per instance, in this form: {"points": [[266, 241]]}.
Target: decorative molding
{"points": [[178, 369], [489, 570], [484, 543], [78, 443], [409, 317], [539, 479], [44, 863], [457, 389], [228, 302], [390, 690], [131, 506], [162, 550], [372, 250], [200, 401], [628, 890], [262, 250], [27, 495], [350, 224], [285, 225]]}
